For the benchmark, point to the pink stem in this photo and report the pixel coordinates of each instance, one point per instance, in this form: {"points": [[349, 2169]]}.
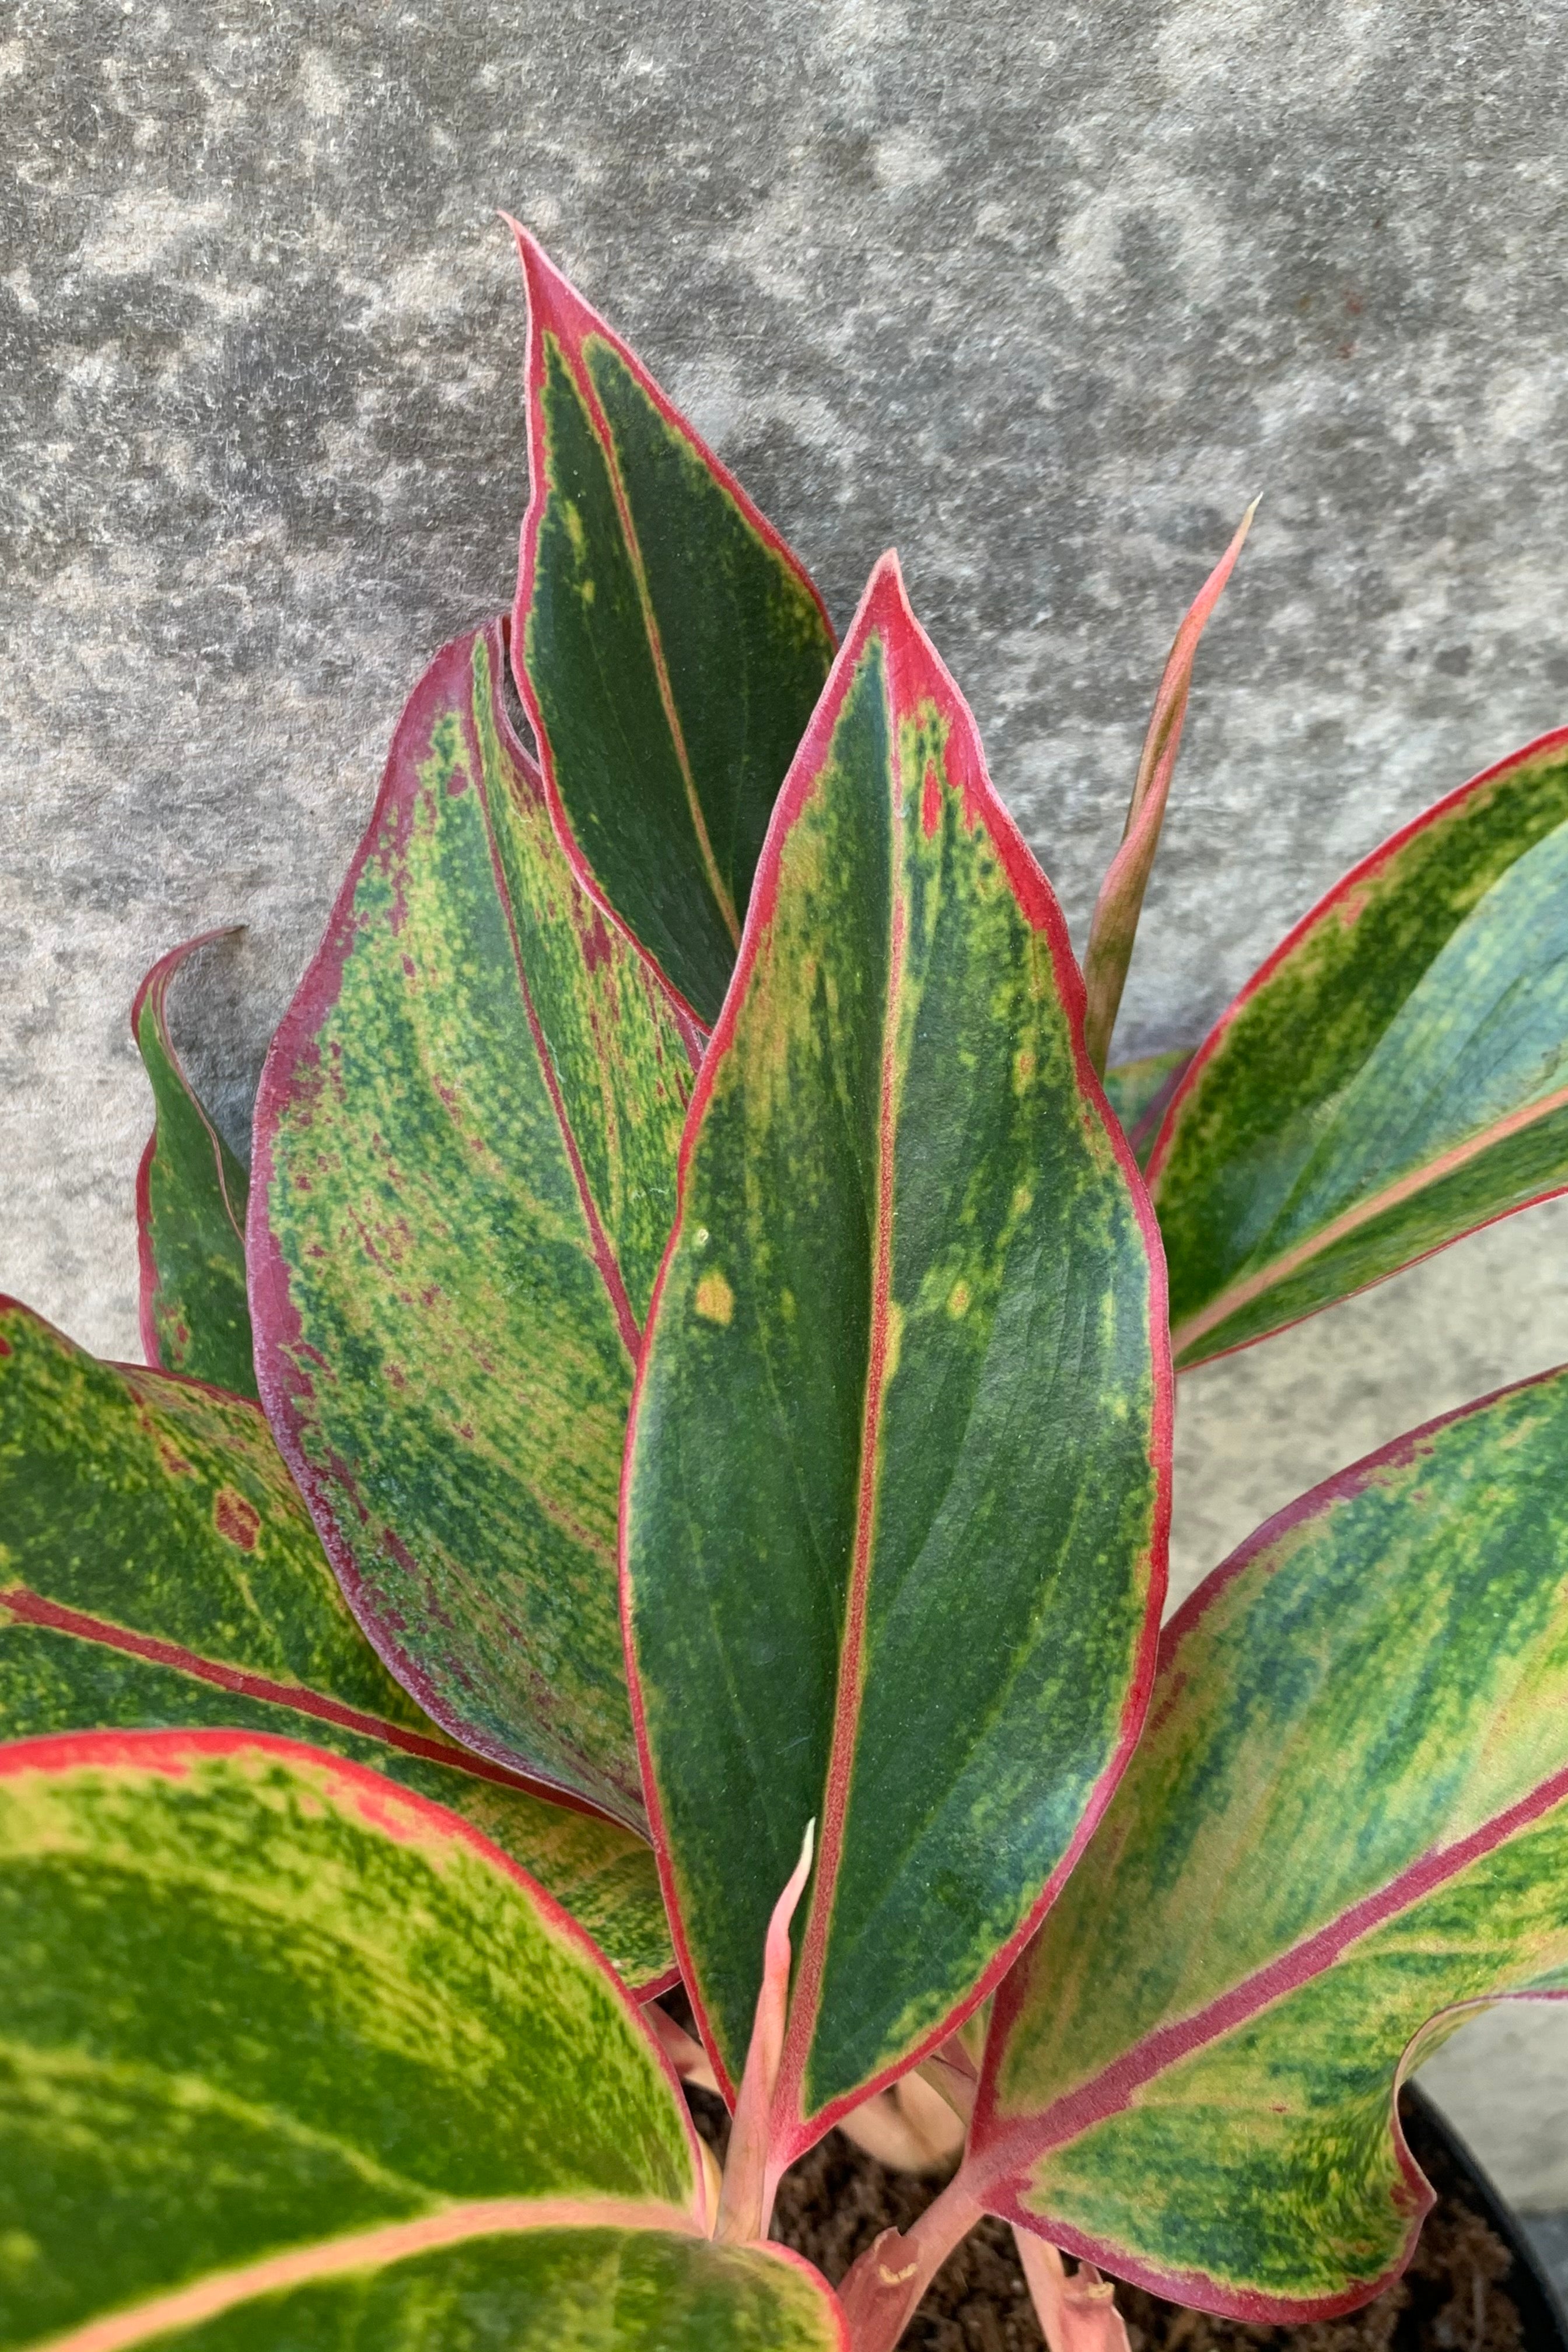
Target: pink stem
{"points": [[1077, 2313]]}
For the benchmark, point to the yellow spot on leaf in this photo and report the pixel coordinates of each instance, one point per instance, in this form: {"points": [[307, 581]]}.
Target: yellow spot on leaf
{"points": [[714, 1298], [958, 1300]]}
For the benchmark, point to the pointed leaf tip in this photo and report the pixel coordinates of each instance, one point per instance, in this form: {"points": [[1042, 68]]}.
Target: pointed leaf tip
{"points": [[647, 575], [904, 978], [466, 1144], [750, 2180], [1114, 927], [191, 1197]]}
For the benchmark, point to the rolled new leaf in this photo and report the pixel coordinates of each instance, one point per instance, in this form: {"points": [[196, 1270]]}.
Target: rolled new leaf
{"points": [[294, 2056], [1114, 927], [1395, 1076], [894, 1515], [465, 1175], [1346, 1827], [191, 1198], [158, 1570], [668, 646]]}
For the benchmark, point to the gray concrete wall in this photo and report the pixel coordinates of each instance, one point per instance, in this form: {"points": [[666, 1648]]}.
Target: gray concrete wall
{"points": [[1042, 294]]}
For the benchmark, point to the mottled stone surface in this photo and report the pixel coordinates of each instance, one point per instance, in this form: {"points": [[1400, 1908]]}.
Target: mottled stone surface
{"points": [[1042, 294]]}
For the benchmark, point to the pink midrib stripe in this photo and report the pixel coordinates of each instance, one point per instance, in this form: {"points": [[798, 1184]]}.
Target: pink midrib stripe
{"points": [[604, 1256], [397, 2242], [1022, 2143], [32, 1609], [1420, 1180], [718, 889], [847, 1697]]}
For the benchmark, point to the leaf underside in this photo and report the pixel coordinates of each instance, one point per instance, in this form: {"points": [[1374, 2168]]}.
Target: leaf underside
{"points": [[899, 1183], [1396, 1075], [1348, 1818], [465, 1173], [190, 1196], [669, 647], [258, 1999], [157, 1569]]}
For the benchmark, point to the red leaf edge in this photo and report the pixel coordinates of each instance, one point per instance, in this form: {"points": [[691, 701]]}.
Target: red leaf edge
{"points": [[377, 1801], [885, 604], [152, 997], [1331, 903], [274, 1317], [554, 306], [986, 2163]]}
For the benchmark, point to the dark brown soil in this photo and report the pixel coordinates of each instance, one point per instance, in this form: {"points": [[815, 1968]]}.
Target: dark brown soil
{"points": [[1453, 2298]]}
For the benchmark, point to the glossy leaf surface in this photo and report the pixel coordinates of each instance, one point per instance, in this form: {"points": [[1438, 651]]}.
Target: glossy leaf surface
{"points": [[669, 647], [897, 1489], [158, 1569], [465, 1175], [190, 1196], [1348, 1818], [1395, 1075], [257, 1999], [500, 2274]]}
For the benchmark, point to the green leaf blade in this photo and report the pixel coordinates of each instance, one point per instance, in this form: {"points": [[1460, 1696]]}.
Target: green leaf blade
{"points": [[668, 646], [1347, 1825], [191, 1199], [1393, 1076], [552, 2285], [1139, 1091], [257, 1997], [159, 1570], [466, 1143], [931, 1628]]}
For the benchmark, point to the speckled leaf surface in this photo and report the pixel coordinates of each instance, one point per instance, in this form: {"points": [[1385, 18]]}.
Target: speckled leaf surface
{"points": [[257, 1999], [157, 1569], [897, 1487], [465, 1175], [1347, 1820], [1395, 1075], [191, 1197], [524, 2278], [669, 647]]}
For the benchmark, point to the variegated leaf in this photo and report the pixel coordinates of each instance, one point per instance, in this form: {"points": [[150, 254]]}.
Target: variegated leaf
{"points": [[1395, 1075], [157, 1569], [1346, 1827], [191, 1197], [896, 1494], [292, 2055], [465, 1175], [669, 647]]}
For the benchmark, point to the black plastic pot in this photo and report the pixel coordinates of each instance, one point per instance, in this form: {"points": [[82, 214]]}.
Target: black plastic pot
{"points": [[1454, 2172]]}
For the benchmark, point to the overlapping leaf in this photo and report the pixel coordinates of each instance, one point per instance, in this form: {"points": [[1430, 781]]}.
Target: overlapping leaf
{"points": [[1346, 1826], [1114, 927], [1139, 1091], [290, 2053], [896, 1493], [1395, 1075], [190, 1196], [465, 1175], [158, 1569], [669, 645]]}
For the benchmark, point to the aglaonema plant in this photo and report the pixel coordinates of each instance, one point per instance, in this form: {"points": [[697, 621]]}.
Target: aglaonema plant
{"points": [[706, 1515]]}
